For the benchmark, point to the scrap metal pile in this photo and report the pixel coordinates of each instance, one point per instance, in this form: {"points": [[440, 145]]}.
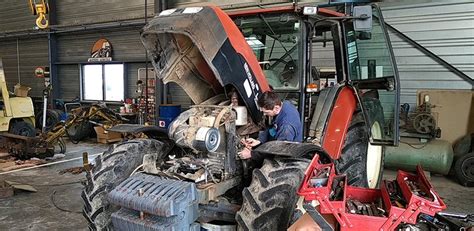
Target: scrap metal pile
{"points": [[44, 145]]}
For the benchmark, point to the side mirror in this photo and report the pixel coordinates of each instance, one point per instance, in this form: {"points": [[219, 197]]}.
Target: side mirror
{"points": [[363, 18]]}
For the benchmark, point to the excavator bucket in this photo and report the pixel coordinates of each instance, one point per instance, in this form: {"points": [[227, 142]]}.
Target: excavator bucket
{"points": [[204, 52]]}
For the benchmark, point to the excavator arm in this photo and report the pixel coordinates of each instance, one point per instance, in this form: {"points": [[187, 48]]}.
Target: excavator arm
{"points": [[80, 115]]}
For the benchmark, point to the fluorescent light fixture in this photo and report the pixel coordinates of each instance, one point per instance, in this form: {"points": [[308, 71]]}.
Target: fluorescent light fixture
{"points": [[310, 10], [167, 12], [192, 10], [254, 43]]}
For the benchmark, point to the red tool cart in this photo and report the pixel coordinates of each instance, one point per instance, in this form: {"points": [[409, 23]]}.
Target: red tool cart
{"points": [[396, 202]]}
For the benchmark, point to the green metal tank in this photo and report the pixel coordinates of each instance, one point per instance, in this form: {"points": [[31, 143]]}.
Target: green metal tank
{"points": [[435, 156]]}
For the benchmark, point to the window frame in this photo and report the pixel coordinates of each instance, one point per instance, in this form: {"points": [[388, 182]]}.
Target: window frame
{"points": [[299, 46], [348, 26], [103, 64]]}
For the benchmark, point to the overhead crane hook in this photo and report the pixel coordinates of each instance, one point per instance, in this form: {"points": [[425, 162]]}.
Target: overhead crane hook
{"points": [[40, 8]]}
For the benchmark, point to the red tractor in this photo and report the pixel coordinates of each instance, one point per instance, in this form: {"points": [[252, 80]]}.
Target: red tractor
{"points": [[333, 61]]}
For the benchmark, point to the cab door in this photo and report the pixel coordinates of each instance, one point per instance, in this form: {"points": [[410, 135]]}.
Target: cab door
{"points": [[372, 70]]}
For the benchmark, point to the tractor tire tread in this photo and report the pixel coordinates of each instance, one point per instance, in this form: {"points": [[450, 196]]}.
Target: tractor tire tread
{"points": [[112, 167], [269, 201]]}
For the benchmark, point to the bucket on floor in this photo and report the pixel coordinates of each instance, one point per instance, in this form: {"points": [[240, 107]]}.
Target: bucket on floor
{"points": [[168, 112]]}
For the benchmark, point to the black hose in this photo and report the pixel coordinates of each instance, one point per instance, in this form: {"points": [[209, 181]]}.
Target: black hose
{"points": [[55, 205]]}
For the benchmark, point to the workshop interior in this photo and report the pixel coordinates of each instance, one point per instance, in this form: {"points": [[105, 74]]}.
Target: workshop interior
{"points": [[237, 115]]}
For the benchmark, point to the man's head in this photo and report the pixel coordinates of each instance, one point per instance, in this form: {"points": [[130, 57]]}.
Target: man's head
{"points": [[269, 103]]}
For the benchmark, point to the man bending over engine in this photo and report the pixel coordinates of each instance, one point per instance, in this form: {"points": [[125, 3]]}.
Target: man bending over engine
{"points": [[286, 125]]}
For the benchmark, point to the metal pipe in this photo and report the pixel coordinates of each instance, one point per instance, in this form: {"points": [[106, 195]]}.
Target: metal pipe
{"points": [[304, 57], [146, 69], [165, 94], [45, 106], [260, 5], [161, 5], [28, 33], [53, 56], [18, 60]]}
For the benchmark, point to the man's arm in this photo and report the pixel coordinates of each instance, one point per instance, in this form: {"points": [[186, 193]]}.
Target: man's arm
{"points": [[285, 133], [263, 136]]}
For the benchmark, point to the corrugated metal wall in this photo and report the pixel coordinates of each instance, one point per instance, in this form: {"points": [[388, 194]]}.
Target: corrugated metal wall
{"points": [[73, 48], [126, 45], [69, 81], [446, 29], [132, 77], [16, 15], [176, 95], [32, 53], [73, 12]]}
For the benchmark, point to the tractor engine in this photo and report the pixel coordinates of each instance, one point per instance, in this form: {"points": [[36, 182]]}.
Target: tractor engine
{"points": [[209, 131]]}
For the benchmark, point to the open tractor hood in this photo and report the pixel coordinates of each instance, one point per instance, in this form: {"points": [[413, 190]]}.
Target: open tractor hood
{"points": [[203, 51]]}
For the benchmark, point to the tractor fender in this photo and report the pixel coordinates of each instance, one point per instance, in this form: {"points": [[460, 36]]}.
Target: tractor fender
{"points": [[338, 122], [291, 149], [321, 113], [331, 118]]}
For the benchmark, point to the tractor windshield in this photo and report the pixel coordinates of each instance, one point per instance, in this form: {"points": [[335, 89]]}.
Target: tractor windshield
{"points": [[275, 40]]}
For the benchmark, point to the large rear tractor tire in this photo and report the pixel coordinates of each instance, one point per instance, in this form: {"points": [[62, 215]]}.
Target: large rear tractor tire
{"points": [[360, 160], [110, 169], [270, 201]]}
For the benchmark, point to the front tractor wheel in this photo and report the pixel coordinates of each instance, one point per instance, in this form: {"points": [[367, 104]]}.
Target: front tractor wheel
{"points": [[110, 169], [360, 160], [270, 201]]}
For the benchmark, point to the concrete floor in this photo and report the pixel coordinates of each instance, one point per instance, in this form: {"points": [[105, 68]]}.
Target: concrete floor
{"points": [[35, 211]]}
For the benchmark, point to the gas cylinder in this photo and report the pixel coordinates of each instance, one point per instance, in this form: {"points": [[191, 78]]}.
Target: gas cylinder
{"points": [[435, 156]]}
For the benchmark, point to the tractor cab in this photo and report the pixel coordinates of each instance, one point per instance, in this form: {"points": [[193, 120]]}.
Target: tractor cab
{"points": [[306, 50]]}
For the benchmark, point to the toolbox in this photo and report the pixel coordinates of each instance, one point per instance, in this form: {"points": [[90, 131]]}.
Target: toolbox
{"points": [[396, 202]]}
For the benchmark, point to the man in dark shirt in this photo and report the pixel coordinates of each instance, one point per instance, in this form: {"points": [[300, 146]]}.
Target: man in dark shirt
{"points": [[286, 125]]}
